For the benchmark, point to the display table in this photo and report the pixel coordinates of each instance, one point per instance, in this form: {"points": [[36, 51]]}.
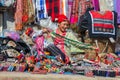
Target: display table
{"points": [[29, 76]]}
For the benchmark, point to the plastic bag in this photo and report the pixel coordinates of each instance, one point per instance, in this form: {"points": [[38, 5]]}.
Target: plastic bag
{"points": [[47, 22]]}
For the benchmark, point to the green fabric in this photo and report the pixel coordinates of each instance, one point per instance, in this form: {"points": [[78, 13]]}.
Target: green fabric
{"points": [[72, 44]]}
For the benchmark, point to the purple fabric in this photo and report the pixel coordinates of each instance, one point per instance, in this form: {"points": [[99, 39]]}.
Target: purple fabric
{"points": [[96, 5], [118, 10]]}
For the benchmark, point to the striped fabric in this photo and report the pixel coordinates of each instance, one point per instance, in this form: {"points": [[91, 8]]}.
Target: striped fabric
{"points": [[104, 20], [60, 42], [55, 51], [64, 7], [74, 12], [53, 8], [103, 24], [41, 9], [70, 3]]}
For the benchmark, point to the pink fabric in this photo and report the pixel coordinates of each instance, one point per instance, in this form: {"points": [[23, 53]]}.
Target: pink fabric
{"points": [[40, 44], [74, 12], [70, 3], [60, 43]]}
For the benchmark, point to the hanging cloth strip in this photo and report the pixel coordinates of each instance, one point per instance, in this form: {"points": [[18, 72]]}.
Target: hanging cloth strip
{"points": [[25, 11], [74, 12], [64, 7], [53, 8], [96, 5], [117, 9], [74, 43], [41, 9], [31, 11], [70, 3], [83, 5], [18, 15]]}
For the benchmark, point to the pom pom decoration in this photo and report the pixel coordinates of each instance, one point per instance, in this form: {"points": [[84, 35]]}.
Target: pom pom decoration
{"points": [[28, 31], [24, 18]]}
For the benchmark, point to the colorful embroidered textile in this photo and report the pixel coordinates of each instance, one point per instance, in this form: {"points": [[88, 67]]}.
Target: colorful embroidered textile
{"points": [[83, 5], [70, 3], [106, 5], [25, 11], [74, 12], [73, 42], [18, 15], [41, 9], [96, 5], [102, 24], [53, 8], [39, 44], [31, 11]]}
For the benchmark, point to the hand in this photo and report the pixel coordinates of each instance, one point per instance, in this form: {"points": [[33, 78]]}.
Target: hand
{"points": [[45, 30], [67, 60]]}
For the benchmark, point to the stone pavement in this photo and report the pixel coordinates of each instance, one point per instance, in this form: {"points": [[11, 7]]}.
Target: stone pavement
{"points": [[29, 76]]}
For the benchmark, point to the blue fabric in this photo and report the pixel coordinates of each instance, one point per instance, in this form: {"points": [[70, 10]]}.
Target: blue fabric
{"points": [[40, 8], [41, 12]]}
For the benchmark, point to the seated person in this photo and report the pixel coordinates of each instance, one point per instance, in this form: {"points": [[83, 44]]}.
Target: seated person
{"points": [[43, 44], [58, 44]]}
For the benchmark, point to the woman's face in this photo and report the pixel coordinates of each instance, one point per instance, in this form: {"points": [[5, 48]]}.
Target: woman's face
{"points": [[63, 26]]}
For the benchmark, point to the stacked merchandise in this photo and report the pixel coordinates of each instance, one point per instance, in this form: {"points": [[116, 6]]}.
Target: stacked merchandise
{"points": [[21, 53]]}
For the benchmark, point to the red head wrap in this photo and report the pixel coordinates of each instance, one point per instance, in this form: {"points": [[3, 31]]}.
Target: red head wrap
{"points": [[61, 18]]}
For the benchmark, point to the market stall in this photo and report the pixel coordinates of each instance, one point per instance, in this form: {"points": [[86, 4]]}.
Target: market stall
{"points": [[75, 37]]}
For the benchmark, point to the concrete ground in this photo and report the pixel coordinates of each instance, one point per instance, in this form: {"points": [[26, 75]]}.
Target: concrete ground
{"points": [[29, 76]]}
